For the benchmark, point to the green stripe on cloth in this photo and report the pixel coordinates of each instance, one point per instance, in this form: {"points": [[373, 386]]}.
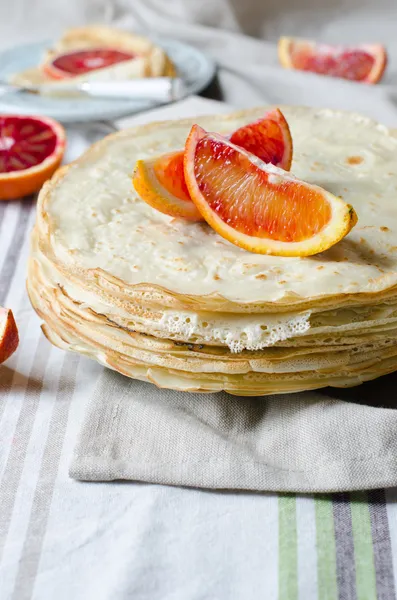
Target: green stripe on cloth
{"points": [[287, 548], [325, 538], [363, 549]]}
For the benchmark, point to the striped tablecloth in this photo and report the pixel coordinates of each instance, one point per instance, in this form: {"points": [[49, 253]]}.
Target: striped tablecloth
{"points": [[61, 539]]}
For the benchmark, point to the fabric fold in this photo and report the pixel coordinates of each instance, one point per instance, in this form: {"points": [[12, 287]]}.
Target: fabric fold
{"points": [[306, 442]]}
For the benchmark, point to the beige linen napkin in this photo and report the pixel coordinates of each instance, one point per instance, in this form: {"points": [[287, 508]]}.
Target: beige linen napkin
{"points": [[308, 442]]}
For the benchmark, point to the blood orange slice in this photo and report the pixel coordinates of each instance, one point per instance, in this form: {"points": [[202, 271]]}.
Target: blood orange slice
{"points": [[161, 181], [257, 206], [80, 62], [269, 139], [31, 149], [9, 338], [365, 62]]}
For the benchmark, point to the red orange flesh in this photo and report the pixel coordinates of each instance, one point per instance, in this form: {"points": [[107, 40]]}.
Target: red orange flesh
{"points": [[31, 149], [257, 206], [169, 171], [269, 139], [364, 63], [161, 182], [272, 204], [80, 62]]}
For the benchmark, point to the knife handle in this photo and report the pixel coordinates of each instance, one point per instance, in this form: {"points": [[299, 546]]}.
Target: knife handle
{"points": [[158, 89]]}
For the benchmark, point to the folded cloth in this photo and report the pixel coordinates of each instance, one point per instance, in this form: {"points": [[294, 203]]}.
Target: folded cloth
{"points": [[306, 442]]}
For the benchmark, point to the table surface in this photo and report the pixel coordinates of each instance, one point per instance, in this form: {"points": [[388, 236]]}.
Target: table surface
{"points": [[65, 539]]}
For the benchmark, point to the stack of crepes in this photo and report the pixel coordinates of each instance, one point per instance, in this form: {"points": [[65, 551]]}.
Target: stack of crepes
{"points": [[171, 302]]}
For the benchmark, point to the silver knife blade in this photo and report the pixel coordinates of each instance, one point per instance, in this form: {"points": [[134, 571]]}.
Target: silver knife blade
{"points": [[157, 89]]}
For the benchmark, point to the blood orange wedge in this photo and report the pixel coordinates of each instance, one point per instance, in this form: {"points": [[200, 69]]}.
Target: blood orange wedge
{"points": [[365, 62], [80, 62], [161, 181], [9, 338], [257, 206], [269, 139], [31, 149]]}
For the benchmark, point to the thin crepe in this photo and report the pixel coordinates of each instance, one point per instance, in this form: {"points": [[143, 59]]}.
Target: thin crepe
{"points": [[253, 331], [82, 330], [101, 229]]}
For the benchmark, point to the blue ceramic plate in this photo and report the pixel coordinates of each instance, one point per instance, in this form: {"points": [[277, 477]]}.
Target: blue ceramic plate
{"points": [[193, 66]]}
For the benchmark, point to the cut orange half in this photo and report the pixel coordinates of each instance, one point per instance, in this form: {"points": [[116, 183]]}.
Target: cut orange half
{"points": [[257, 206], [160, 181], [31, 149], [364, 62]]}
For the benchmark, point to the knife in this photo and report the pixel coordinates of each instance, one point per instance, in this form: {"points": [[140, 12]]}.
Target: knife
{"points": [[157, 89]]}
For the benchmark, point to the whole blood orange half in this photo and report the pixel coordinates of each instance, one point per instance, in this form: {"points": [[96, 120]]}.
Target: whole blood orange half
{"points": [[31, 149], [80, 62], [365, 62], [9, 338], [257, 206], [161, 181]]}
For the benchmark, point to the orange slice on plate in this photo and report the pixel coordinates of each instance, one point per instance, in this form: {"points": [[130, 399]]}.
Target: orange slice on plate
{"points": [[364, 62], [160, 181], [9, 338], [80, 62], [31, 149], [257, 206]]}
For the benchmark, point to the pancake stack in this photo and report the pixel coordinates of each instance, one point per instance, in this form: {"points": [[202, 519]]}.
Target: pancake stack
{"points": [[169, 301]]}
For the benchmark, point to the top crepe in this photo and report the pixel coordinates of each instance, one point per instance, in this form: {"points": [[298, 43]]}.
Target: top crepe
{"points": [[99, 231]]}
